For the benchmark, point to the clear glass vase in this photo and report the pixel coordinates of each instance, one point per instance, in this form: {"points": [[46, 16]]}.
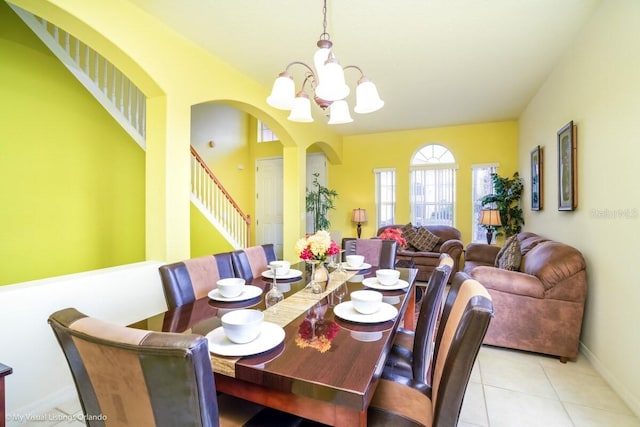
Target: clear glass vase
{"points": [[315, 285]]}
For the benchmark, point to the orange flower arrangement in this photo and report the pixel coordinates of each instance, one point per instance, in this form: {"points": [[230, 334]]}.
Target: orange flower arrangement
{"points": [[391, 233]]}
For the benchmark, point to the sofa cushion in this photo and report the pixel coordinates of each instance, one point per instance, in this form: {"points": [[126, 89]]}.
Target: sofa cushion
{"points": [[509, 256], [420, 238]]}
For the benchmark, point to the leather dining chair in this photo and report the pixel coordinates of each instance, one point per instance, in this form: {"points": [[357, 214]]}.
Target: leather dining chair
{"points": [[409, 361], [251, 262], [465, 318], [377, 252], [186, 281], [133, 377]]}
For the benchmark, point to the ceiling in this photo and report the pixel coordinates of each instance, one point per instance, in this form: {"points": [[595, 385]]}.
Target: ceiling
{"points": [[435, 62]]}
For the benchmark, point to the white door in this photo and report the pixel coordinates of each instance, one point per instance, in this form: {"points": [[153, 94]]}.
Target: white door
{"points": [[269, 184], [316, 163]]}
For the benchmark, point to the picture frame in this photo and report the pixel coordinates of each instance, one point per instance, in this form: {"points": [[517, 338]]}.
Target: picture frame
{"points": [[536, 179], [567, 167]]}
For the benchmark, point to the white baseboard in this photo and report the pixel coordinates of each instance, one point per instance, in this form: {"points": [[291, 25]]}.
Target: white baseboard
{"points": [[612, 380]]}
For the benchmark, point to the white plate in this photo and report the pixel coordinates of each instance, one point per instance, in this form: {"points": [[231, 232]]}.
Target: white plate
{"points": [[372, 282], [248, 292], [291, 274], [362, 266], [346, 311], [270, 336]]}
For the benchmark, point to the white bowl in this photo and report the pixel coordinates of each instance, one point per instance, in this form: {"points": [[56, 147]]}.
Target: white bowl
{"points": [[242, 326], [282, 267], [365, 301], [230, 287], [387, 276], [355, 260]]}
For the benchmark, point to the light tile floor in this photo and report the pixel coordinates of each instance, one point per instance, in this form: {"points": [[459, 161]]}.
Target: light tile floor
{"points": [[511, 388], [507, 389]]}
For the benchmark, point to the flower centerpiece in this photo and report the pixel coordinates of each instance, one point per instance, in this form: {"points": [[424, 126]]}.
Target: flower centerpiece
{"points": [[316, 247], [392, 233]]}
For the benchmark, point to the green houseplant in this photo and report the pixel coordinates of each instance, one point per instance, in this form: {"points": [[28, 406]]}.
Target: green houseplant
{"points": [[319, 200], [506, 199]]}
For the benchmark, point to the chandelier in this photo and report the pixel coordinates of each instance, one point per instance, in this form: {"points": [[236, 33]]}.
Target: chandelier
{"points": [[328, 85]]}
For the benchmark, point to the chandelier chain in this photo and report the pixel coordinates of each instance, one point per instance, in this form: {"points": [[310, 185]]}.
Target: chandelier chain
{"points": [[324, 35]]}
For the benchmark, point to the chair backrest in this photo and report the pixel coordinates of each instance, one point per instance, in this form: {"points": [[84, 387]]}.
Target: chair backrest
{"points": [[253, 261], [186, 281], [465, 318], [377, 252], [133, 377], [428, 316]]}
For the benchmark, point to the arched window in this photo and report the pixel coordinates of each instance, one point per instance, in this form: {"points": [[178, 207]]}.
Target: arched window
{"points": [[433, 186]]}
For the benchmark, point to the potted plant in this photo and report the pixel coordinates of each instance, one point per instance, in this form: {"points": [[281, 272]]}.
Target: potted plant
{"points": [[319, 200], [506, 199]]}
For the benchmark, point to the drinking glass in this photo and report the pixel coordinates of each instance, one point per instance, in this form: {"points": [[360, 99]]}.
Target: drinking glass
{"points": [[274, 295], [341, 291]]}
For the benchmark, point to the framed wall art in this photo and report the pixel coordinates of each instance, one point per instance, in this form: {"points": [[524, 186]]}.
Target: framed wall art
{"points": [[536, 179], [567, 182]]}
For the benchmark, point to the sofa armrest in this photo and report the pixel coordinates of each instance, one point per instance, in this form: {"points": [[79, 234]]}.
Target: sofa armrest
{"points": [[511, 282], [452, 247], [481, 253]]}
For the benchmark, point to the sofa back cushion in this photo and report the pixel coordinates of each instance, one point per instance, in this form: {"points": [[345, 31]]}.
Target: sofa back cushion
{"points": [[529, 241], [552, 262]]}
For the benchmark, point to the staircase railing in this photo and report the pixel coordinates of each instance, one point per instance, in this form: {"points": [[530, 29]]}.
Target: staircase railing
{"points": [[219, 206], [127, 105], [113, 90]]}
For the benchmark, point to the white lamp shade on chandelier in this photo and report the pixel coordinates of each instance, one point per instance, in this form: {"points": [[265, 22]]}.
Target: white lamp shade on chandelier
{"points": [[301, 111], [339, 113], [328, 84]]}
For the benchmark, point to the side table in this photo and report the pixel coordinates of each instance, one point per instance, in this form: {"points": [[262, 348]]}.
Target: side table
{"points": [[4, 371]]}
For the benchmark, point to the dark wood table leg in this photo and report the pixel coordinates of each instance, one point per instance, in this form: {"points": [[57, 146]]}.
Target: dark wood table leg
{"points": [[4, 371]]}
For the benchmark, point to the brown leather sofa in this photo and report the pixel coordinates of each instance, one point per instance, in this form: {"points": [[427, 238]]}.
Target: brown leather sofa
{"points": [[449, 242], [538, 308]]}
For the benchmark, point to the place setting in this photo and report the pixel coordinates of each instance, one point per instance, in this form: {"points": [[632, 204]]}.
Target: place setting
{"points": [[234, 289], [355, 263], [366, 306], [386, 280], [282, 270], [244, 332]]}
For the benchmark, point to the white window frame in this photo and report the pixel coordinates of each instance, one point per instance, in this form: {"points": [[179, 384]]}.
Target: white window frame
{"points": [[385, 197], [265, 134], [441, 171], [478, 234]]}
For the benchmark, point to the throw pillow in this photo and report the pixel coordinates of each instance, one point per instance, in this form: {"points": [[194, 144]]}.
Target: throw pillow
{"points": [[421, 239], [509, 256], [408, 232]]}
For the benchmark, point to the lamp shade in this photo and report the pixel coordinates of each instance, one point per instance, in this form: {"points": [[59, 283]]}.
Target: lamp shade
{"points": [[367, 98], [283, 92], [490, 217], [359, 215], [339, 113], [301, 111], [332, 86]]}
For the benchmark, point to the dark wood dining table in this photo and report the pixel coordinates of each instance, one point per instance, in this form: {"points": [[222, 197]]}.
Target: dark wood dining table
{"points": [[330, 378]]}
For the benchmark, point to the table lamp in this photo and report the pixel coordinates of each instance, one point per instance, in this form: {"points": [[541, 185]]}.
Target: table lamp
{"points": [[490, 218], [359, 216]]}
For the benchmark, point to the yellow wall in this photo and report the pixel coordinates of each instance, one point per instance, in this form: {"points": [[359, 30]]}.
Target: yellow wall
{"points": [[597, 85], [71, 180], [354, 180], [205, 239]]}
